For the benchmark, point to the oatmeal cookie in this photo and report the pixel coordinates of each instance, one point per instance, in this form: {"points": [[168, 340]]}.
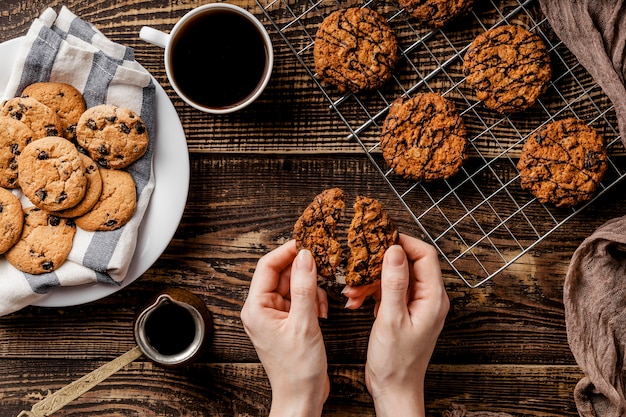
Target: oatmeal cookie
{"points": [[315, 231], [355, 50], [51, 173], [436, 13], [14, 136], [11, 219], [64, 99], [563, 163], [423, 138], [371, 233], [508, 67], [116, 205], [41, 119], [114, 137], [45, 243]]}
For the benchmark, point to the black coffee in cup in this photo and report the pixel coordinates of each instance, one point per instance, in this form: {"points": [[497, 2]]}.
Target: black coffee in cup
{"points": [[218, 59]]}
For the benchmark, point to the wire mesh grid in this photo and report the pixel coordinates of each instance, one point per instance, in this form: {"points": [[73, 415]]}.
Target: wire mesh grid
{"points": [[480, 220]]}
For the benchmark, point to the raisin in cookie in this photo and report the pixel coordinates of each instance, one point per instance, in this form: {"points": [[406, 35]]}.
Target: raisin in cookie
{"points": [[11, 219], [355, 50], [371, 233], [508, 67], [64, 99], [114, 137], [92, 191], [45, 243], [41, 119], [315, 231], [563, 163], [423, 138], [436, 13], [14, 136], [116, 205], [51, 173]]}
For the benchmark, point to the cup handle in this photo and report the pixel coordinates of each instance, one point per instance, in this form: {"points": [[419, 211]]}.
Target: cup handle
{"points": [[154, 36]]}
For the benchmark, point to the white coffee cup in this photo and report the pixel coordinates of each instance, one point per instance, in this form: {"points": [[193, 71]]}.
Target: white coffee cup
{"points": [[218, 57]]}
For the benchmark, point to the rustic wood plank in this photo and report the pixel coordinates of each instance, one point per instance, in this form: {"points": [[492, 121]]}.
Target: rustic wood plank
{"points": [[234, 389]]}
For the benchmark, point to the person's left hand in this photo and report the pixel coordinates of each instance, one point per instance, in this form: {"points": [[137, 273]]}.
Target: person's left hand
{"points": [[280, 316]]}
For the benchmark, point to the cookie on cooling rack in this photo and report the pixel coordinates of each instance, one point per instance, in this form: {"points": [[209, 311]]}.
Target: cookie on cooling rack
{"points": [[423, 138], [371, 232], [563, 163], [315, 230], [355, 50], [508, 67], [436, 13]]}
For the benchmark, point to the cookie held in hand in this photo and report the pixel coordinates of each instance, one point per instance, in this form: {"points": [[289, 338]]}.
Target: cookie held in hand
{"points": [[315, 231], [371, 233]]}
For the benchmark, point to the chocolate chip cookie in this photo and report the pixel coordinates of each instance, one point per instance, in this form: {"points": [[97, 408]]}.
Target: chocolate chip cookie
{"points": [[114, 137], [423, 138], [508, 67], [563, 163], [45, 243], [315, 231], [66, 101], [436, 13], [51, 173], [41, 119], [371, 233], [355, 50], [11, 219], [14, 136], [92, 190], [116, 205]]}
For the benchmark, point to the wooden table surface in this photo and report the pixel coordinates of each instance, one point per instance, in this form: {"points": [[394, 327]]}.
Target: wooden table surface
{"points": [[503, 348]]}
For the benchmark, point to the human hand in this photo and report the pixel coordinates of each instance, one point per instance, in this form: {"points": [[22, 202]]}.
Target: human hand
{"points": [[411, 308], [280, 317]]}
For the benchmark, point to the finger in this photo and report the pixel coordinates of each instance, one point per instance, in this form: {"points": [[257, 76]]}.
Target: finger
{"points": [[425, 258], [303, 287], [394, 283], [269, 268], [322, 303]]}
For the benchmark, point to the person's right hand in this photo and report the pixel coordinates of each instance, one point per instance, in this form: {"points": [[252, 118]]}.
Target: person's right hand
{"points": [[411, 311]]}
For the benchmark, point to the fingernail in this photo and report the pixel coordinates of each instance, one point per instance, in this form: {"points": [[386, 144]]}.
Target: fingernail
{"points": [[348, 303], [395, 256], [345, 290], [304, 261]]}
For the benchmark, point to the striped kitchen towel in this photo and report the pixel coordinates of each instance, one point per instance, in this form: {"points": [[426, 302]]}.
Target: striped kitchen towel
{"points": [[63, 48]]}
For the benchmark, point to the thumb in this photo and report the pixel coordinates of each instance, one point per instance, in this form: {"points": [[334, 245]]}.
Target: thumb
{"points": [[303, 287], [394, 283]]}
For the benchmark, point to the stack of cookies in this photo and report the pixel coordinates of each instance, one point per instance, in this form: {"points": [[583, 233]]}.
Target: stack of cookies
{"points": [[69, 162]]}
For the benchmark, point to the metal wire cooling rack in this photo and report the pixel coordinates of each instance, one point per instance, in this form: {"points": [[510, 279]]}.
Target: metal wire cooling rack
{"points": [[482, 210]]}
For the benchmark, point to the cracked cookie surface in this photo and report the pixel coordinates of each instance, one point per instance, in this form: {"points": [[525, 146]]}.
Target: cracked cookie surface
{"points": [[423, 138], [51, 173], [355, 50], [114, 137], [315, 230], [41, 119], [563, 163], [508, 67], [371, 232], [45, 242]]}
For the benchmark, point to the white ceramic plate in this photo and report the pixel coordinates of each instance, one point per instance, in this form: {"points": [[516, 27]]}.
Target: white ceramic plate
{"points": [[171, 170]]}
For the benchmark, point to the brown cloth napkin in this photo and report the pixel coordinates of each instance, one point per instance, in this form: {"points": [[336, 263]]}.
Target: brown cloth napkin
{"points": [[594, 293], [595, 32]]}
